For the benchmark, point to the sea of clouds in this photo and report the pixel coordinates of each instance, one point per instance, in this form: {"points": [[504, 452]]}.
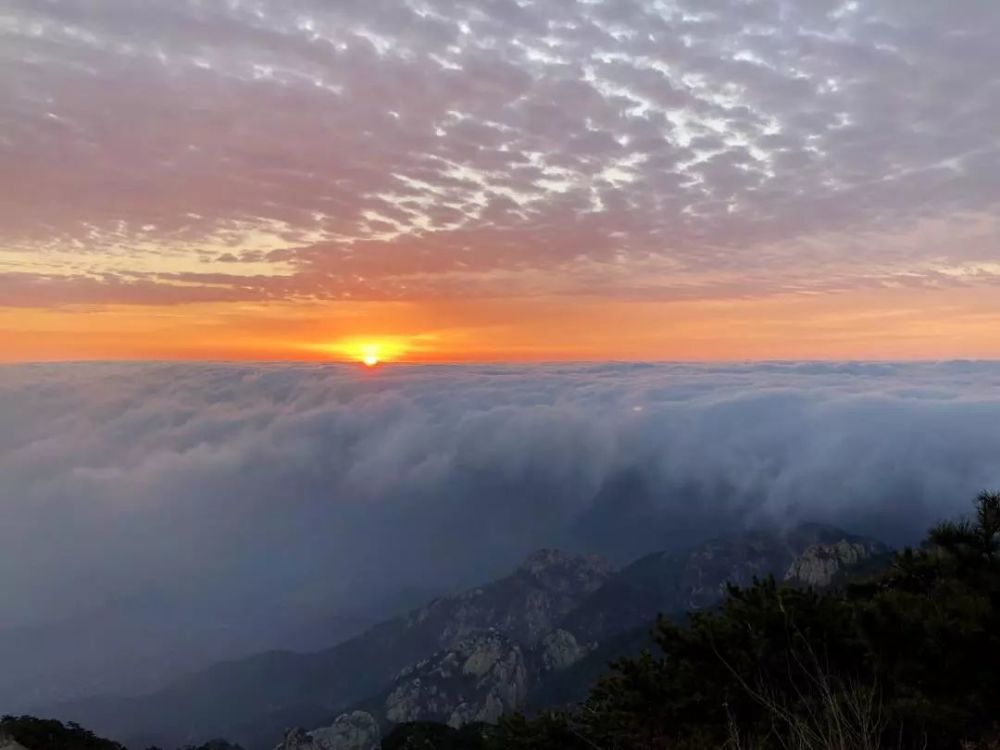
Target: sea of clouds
{"points": [[246, 506]]}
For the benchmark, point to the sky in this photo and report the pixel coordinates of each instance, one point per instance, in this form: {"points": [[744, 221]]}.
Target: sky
{"points": [[463, 180], [159, 516]]}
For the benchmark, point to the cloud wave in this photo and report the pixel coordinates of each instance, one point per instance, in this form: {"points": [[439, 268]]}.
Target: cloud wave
{"points": [[218, 485]]}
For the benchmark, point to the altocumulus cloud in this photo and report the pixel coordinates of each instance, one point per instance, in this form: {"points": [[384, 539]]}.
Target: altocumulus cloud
{"points": [[279, 149]]}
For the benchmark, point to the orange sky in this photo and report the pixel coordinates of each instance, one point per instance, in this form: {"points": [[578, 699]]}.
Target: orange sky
{"points": [[882, 324], [568, 181]]}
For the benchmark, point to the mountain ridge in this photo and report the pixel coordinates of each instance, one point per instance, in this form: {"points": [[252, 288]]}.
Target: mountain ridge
{"points": [[276, 689], [548, 614], [443, 689]]}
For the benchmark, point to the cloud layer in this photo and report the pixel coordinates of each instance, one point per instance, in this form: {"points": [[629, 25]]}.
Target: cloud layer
{"points": [[253, 501], [263, 149]]}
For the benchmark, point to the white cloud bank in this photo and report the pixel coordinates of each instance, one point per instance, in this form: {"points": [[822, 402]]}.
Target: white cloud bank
{"points": [[259, 496]]}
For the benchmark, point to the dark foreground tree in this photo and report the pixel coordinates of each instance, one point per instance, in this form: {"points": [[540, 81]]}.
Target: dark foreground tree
{"points": [[216, 744], [430, 735], [49, 734]]}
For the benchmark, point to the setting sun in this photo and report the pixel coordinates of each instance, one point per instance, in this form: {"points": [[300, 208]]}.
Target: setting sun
{"points": [[368, 351]]}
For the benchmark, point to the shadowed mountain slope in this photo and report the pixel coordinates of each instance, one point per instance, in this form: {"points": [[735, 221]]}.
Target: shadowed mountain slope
{"points": [[258, 697]]}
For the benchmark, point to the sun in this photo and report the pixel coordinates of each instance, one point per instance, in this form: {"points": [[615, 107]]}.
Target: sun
{"points": [[369, 355], [366, 351]]}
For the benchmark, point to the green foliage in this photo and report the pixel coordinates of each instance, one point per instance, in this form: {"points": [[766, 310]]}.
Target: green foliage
{"points": [[932, 627], [217, 744], [549, 730], [49, 734], [512, 732], [724, 668], [430, 735]]}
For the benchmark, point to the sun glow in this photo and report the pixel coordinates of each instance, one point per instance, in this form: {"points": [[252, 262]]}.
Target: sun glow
{"points": [[370, 352], [369, 355]]}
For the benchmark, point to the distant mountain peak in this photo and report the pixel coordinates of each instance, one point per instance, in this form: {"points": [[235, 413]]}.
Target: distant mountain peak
{"points": [[356, 730], [820, 564], [546, 562], [479, 678], [811, 554]]}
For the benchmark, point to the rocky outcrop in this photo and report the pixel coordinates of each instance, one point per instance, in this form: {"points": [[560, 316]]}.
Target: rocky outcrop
{"points": [[357, 730], [558, 571], [559, 650], [525, 605], [672, 584], [481, 678], [820, 564], [9, 743]]}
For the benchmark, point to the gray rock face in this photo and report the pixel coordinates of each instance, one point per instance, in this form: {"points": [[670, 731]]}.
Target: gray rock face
{"points": [[669, 584], [718, 563], [357, 730], [9, 743], [818, 564], [296, 739], [497, 640], [559, 650], [525, 605], [558, 571], [482, 677]]}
